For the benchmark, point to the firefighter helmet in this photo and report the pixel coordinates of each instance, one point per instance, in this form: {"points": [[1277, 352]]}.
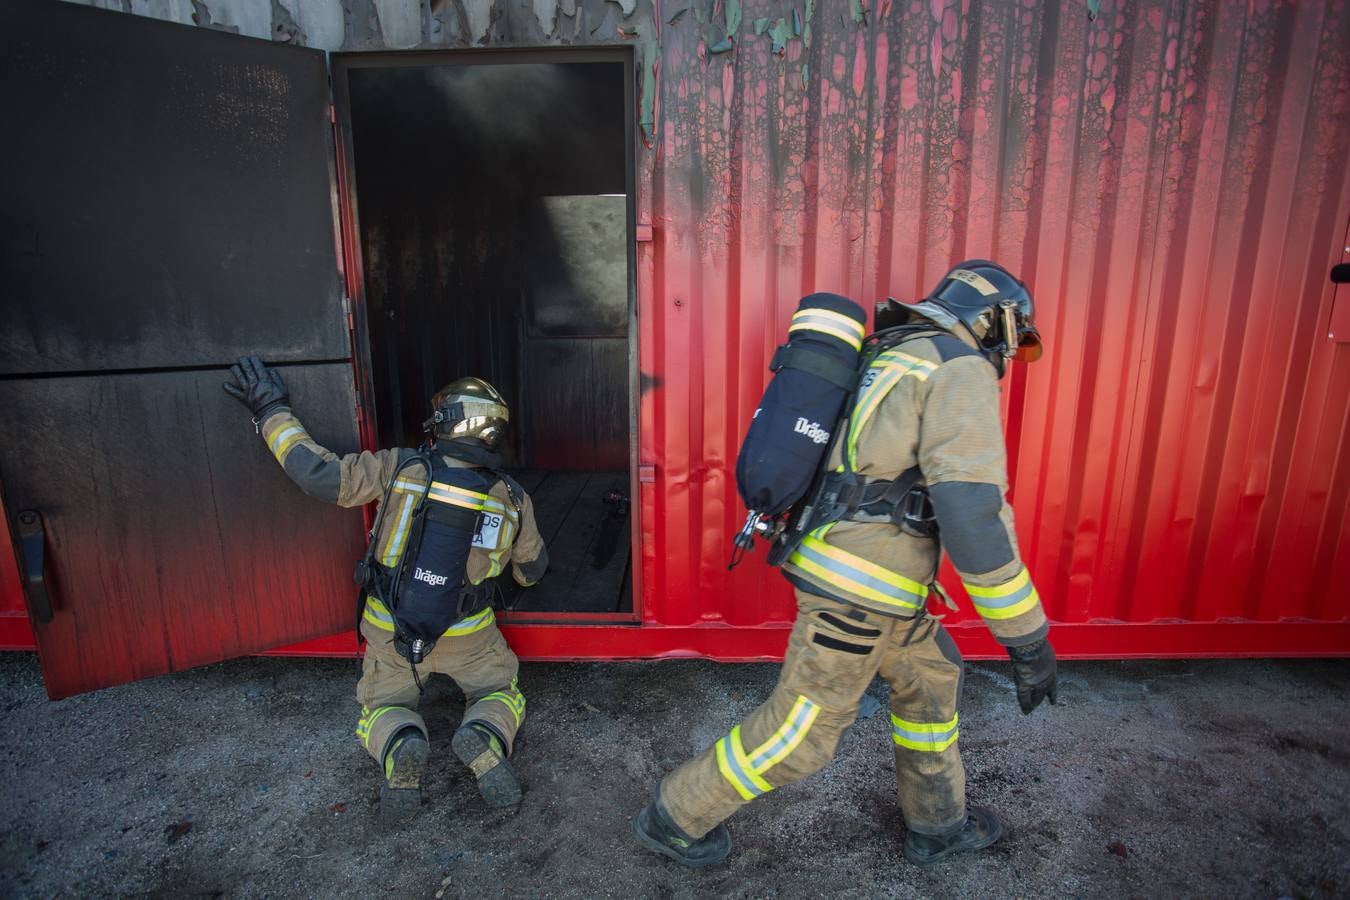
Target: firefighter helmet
{"points": [[468, 409], [993, 306]]}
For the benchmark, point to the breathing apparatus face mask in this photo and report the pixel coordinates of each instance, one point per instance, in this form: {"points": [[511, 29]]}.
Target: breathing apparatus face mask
{"points": [[1021, 340]]}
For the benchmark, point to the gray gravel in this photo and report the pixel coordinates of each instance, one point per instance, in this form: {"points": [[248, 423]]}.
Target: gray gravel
{"points": [[1224, 778]]}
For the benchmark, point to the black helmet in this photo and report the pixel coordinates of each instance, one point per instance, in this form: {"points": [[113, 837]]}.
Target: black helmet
{"points": [[991, 303], [468, 409]]}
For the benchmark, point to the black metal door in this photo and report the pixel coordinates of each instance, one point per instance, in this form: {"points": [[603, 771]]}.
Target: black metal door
{"points": [[166, 204]]}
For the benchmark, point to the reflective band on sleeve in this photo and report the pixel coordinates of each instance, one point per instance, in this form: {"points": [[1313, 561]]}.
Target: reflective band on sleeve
{"points": [[923, 736], [286, 438], [884, 373], [857, 575], [787, 738], [736, 768], [1007, 600], [836, 325]]}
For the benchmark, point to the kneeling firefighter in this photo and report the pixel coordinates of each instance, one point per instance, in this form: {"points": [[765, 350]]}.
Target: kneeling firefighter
{"points": [[918, 451], [448, 522]]}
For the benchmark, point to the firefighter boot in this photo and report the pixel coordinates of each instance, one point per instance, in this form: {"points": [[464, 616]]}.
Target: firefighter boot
{"points": [[403, 763], [655, 830], [479, 748], [981, 829]]}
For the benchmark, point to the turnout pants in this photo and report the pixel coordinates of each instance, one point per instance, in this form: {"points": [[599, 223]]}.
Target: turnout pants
{"points": [[832, 656], [472, 652]]}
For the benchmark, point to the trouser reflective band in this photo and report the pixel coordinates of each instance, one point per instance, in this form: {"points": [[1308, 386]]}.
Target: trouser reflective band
{"points": [[736, 768], [743, 770], [858, 576], [368, 719], [1007, 600], [924, 736], [787, 738], [512, 699], [378, 615]]}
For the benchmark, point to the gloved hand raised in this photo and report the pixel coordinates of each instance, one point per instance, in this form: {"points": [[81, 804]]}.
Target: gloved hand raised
{"points": [[1034, 672], [257, 387]]}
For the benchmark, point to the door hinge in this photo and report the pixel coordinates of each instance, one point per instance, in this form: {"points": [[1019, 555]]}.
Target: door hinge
{"points": [[332, 113], [347, 313]]}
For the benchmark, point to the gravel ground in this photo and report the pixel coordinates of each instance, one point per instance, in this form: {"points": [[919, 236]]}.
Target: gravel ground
{"points": [[1226, 778]]}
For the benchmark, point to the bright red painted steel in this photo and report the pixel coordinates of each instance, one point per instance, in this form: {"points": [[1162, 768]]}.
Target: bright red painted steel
{"points": [[1170, 178]]}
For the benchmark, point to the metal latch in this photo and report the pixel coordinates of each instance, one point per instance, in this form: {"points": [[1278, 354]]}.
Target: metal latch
{"points": [[33, 559]]}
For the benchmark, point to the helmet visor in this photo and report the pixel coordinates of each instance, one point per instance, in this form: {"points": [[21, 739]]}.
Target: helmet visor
{"points": [[1029, 347]]}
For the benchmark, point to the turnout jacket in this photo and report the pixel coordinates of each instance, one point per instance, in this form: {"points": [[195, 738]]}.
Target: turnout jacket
{"points": [[355, 479], [930, 402]]}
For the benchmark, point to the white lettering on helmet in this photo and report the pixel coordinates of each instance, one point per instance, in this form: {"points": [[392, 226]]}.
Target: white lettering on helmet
{"points": [[812, 430], [430, 578]]}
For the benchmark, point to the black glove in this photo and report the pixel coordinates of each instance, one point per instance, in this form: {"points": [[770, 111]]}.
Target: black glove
{"points": [[1034, 671], [258, 387]]}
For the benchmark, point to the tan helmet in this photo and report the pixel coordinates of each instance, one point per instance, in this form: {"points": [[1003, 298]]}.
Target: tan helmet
{"points": [[468, 409]]}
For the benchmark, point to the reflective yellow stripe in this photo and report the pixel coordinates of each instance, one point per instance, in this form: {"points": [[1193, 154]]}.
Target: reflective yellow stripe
{"points": [[512, 699], [396, 535], [736, 768], [849, 323], [284, 439], [825, 328], [1008, 600], [787, 738], [889, 368], [850, 331], [367, 721], [378, 615], [474, 623], [856, 575], [453, 496], [924, 736]]}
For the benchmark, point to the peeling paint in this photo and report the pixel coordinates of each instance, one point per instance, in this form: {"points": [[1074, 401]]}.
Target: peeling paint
{"points": [[480, 19], [781, 32], [546, 11], [321, 22], [400, 22], [733, 17], [179, 11], [651, 55], [252, 18], [627, 6]]}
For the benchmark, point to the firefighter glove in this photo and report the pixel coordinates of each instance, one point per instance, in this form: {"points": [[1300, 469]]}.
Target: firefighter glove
{"points": [[1034, 672], [257, 387]]}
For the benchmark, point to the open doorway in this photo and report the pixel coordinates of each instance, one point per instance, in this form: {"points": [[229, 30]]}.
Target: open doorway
{"points": [[494, 222]]}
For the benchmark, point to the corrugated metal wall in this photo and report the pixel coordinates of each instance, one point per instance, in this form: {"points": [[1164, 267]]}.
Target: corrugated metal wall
{"points": [[1170, 177], [1172, 180]]}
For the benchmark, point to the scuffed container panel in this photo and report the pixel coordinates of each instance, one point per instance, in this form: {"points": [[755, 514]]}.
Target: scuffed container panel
{"points": [[1170, 178]]}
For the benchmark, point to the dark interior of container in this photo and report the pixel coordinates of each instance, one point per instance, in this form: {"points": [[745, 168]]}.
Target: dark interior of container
{"points": [[493, 212]]}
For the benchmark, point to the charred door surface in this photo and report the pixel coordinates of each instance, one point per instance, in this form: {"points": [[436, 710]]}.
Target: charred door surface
{"points": [[165, 205]]}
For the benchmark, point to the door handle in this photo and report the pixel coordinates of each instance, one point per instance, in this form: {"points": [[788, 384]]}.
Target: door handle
{"points": [[33, 547], [1340, 273]]}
